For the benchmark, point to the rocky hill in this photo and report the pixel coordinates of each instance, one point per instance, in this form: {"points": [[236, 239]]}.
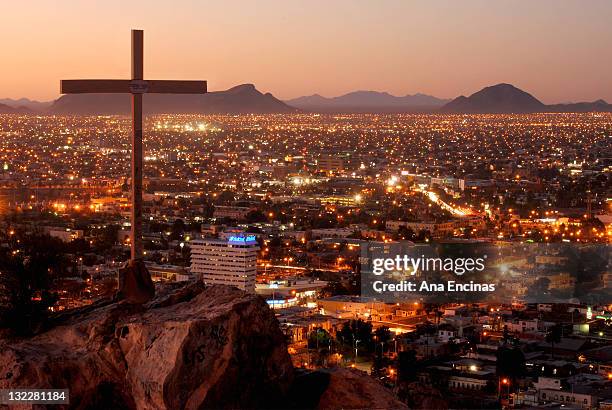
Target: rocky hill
{"points": [[500, 98], [192, 347]]}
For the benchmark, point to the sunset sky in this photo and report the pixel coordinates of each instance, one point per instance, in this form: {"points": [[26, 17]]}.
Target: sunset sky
{"points": [[558, 50]]}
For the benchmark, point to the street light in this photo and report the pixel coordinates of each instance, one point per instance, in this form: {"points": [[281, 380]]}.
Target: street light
{"points": [[506, 382]]}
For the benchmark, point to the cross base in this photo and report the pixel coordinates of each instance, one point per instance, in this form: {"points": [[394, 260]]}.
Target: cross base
{"points": [[135, 284]]}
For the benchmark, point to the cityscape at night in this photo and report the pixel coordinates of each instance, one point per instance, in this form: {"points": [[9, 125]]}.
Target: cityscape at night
{"points": [[311, 190], [229, 249]]}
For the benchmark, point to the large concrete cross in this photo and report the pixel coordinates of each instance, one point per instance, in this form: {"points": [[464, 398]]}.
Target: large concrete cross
{"points": [[136, 87]]}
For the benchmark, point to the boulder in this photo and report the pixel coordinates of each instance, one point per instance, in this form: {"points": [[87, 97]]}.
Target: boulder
{"points": [[354, 389], [420, 396], [341, 388], [190, 347]]}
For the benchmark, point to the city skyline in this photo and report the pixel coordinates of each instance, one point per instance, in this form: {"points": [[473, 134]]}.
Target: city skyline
{"points": [[374, 250], [441, 49]]}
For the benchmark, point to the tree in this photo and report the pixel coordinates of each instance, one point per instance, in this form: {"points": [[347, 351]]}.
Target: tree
{"points": [[255, 229], [255, 216], [44, 258], [541, 285], [506, 335], [378, 365], [27, 282], [225, 198], [405, 233], [335, 288], [554, 336], [356, 333], [78, 246], [510, 363], [426, 328], [106, 238], [407, 365], [439, 315], [382, 335], [178, 229], [318, 338]]}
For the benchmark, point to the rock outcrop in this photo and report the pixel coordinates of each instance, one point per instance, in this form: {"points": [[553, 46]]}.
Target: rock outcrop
{"points": [[354, 389], [419, 396], [341, 388], [191, 347]]}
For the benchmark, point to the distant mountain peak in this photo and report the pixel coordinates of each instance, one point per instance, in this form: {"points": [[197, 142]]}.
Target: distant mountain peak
{"points": [[7, 109], [497, 89], [499, 98], [25, 104], [503, 85], [367, 92], [243, 87]]}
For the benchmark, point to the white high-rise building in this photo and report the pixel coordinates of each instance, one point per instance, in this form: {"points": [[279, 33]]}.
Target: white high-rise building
{"points": [[231, 261]]}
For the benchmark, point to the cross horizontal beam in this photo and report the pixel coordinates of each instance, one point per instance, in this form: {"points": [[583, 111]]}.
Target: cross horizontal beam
{"points": [[94, 86], [176, 87], [133, 86]]}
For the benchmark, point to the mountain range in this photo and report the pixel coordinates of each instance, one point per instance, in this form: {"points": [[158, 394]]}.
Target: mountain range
{"points": [[500, 98], [242, 99], [367, 101], [8, 109], [246, 99], [26, 104]]}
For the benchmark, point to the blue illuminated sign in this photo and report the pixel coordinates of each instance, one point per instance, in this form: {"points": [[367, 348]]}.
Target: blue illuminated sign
{"points": [[241, 239]]}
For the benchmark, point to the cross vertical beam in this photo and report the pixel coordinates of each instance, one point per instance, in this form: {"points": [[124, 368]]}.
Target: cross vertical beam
{"points": [[137, 74]]}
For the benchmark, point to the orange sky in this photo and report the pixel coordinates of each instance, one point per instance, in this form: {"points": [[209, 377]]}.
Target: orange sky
{"points": [[558, 50]]}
